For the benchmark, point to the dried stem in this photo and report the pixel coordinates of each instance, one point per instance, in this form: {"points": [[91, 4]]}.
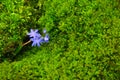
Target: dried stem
{"points": [[26, 43]]}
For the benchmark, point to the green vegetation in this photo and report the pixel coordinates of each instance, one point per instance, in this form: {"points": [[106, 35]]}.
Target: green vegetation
{"points": [[84, 40]]}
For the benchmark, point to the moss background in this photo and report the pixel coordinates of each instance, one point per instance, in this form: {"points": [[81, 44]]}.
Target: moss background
{"points": [[84, 40]]}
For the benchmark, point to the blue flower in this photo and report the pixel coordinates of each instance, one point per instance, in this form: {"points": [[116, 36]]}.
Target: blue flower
{"points": [[46, 38], [36, 38], [44, 31], [37, 41], [34, 33]]}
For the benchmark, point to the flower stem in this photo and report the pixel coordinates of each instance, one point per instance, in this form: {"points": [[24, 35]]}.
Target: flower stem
{"points": [[26, 43]]}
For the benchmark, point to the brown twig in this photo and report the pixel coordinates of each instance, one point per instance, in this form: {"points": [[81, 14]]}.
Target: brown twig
{"points": [[26, 43]]}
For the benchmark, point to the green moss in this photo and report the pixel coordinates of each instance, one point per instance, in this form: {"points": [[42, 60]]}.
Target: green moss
{"points": [[84, 39]]}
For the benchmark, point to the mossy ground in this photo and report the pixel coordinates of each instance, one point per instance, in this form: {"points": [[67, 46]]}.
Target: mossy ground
{"points": [[84, 40]]}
